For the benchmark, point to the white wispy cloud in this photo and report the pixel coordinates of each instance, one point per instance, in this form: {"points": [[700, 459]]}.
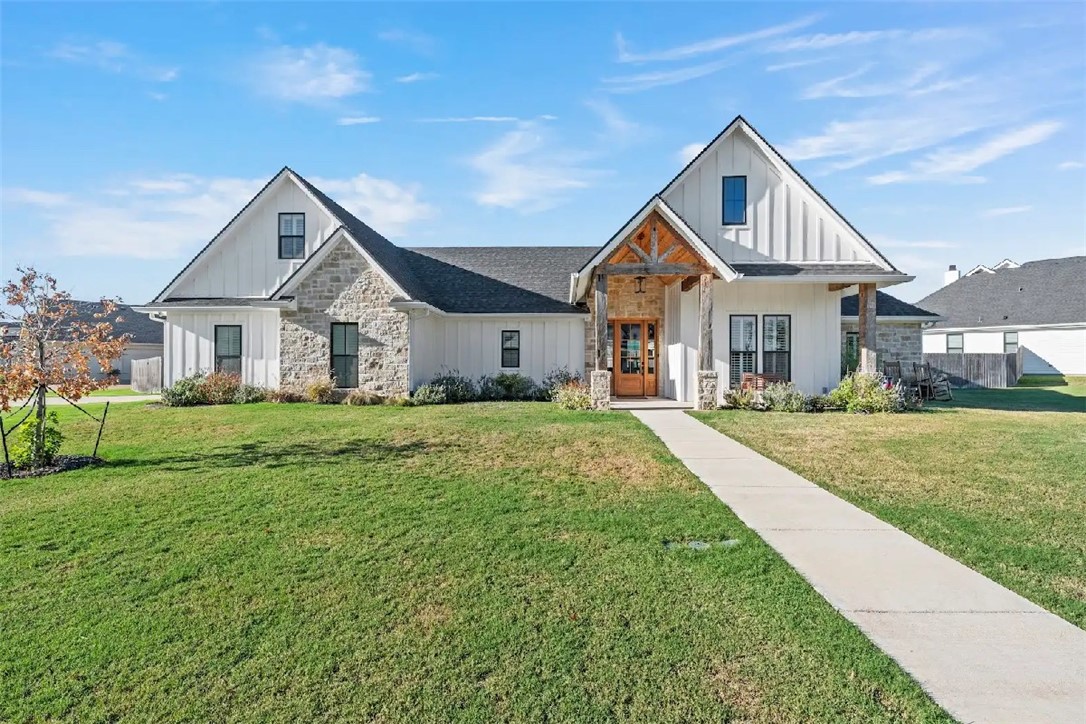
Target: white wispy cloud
{"points": [[793, 64], [170, 216], [918, 81], [1005, 211], [827, 41], [313, 74], [617, 126], [710, 45], [356, 120], [955, 164], [1070, 165], [654, 79], [414, 40], [114, 57], [690, 151], [524, 170], [416, 77], [486, 119]]}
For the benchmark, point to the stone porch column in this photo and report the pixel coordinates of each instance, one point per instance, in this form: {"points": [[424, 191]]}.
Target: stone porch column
{"points": [[600, 378], [705, 398]]}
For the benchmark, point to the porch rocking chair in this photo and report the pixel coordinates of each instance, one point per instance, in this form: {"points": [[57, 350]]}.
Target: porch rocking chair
{"points": [[892, 371], [932, 388]]}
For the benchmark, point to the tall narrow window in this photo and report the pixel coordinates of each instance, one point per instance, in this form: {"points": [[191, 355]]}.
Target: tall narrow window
{"points": [[777, 345], [955, 343], [291, 236], [735, 200], [852, 353], [345, 354], [228, 348], [510, 348], [1010, 343], [743, 347]]}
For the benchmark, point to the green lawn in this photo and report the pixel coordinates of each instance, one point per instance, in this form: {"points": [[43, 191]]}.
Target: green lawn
{"points": [[994, 479], [114, 391], [479, 563]]}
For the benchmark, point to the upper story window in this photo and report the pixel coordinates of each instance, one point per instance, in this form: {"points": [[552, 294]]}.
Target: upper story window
{"points": [[735, 200], [292, 236], [955, 343]]}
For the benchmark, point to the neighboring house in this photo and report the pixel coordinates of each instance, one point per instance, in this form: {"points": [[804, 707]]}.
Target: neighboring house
{"points": [[1039, 307], [145, 336], [736, 265], [898, 325]]}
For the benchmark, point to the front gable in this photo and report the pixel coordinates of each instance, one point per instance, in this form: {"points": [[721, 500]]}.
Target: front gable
{"points": [[786, 219], [243, 259]]}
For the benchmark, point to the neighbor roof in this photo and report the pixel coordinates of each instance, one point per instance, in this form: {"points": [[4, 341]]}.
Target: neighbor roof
{"points": [[1049, 291], [125, 320], [885, 306]]}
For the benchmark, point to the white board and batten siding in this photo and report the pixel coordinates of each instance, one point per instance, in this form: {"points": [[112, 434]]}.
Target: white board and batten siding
{"points": [[1045, 350], [815, 342], [245, 261], [472, 345], [189, 342], [786, 221]]}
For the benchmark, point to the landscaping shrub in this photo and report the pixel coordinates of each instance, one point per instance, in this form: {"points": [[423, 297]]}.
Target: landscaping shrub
{"points": [[186, 392], [556, 379], [247, 394], [733, 399], [864, 392], [320, 390], [784, 397], [428, 395], [22, 447], [285, 395], [455, 387], [361, 398], [817, 403], [219, 388], [510, 386], [573, 395]]}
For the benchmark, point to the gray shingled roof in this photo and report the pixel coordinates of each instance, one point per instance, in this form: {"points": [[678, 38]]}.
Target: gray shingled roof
{"points": [[125, 320], [1049, 291], [779, 269], [885, 306], [498, 279]]}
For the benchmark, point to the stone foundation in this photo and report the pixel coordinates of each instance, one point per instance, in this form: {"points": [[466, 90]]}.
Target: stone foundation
{"points": [[345, 288], [707, 387], [601, 389]]}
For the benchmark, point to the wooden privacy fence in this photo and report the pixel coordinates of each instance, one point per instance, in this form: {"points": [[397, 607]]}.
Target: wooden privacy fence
{"points": [[147, 374], [977, 370]]}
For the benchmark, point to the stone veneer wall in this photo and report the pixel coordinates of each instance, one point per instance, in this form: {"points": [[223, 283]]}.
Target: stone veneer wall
{"points": [[894, 341], [344, 288], [623, 303]]}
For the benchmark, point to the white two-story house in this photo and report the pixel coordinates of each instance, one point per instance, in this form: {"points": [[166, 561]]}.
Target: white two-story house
{"points": [[736, 267]]}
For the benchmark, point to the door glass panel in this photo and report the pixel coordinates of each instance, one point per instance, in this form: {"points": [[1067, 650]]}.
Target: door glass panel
{"points": [[610, 347], [630, 349], [650, 342]]}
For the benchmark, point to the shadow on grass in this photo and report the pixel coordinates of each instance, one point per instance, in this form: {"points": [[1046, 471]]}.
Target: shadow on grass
{"points": [[273, 455], [1016, 399]]}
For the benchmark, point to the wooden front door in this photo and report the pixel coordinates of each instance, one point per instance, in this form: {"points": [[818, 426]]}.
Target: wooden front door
{"points": [[635, 357]]}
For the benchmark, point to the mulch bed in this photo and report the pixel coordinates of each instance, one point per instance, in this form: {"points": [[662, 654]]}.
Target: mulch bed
{"points": [[62, 464]]}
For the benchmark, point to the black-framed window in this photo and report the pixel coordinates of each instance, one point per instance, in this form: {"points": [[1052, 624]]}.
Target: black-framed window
{"points": [[510, 348], [1010, 343], [345, 354], [777, 345], [851, 360], [734, 196], [955, 343], [292, 236], [743, 347], [228, 348]]}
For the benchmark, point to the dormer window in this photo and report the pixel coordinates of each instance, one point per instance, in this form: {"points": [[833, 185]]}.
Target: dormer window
{"points": [[735, 200], [292, 236]]}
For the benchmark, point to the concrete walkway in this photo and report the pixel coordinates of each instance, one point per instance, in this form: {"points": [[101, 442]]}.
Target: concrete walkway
{"points": [[984, 653]]}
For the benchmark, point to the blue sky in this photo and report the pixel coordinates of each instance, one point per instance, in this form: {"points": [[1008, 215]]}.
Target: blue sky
{"points": [[947, 133]]}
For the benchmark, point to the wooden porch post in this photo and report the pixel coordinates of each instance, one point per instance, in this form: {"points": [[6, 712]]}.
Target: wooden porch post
{"points": [[867, 335], [705, 324], [601, 322]]}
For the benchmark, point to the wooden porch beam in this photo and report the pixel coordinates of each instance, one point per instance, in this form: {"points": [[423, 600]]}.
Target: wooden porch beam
{"points": [[639, 251], [868, 362], [839, 287], [705, 324], [601, 321], [650, 269], [689, 283]]}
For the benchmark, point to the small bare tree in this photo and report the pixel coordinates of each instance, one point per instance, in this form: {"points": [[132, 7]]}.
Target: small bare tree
{"points": [[47, 345]]}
